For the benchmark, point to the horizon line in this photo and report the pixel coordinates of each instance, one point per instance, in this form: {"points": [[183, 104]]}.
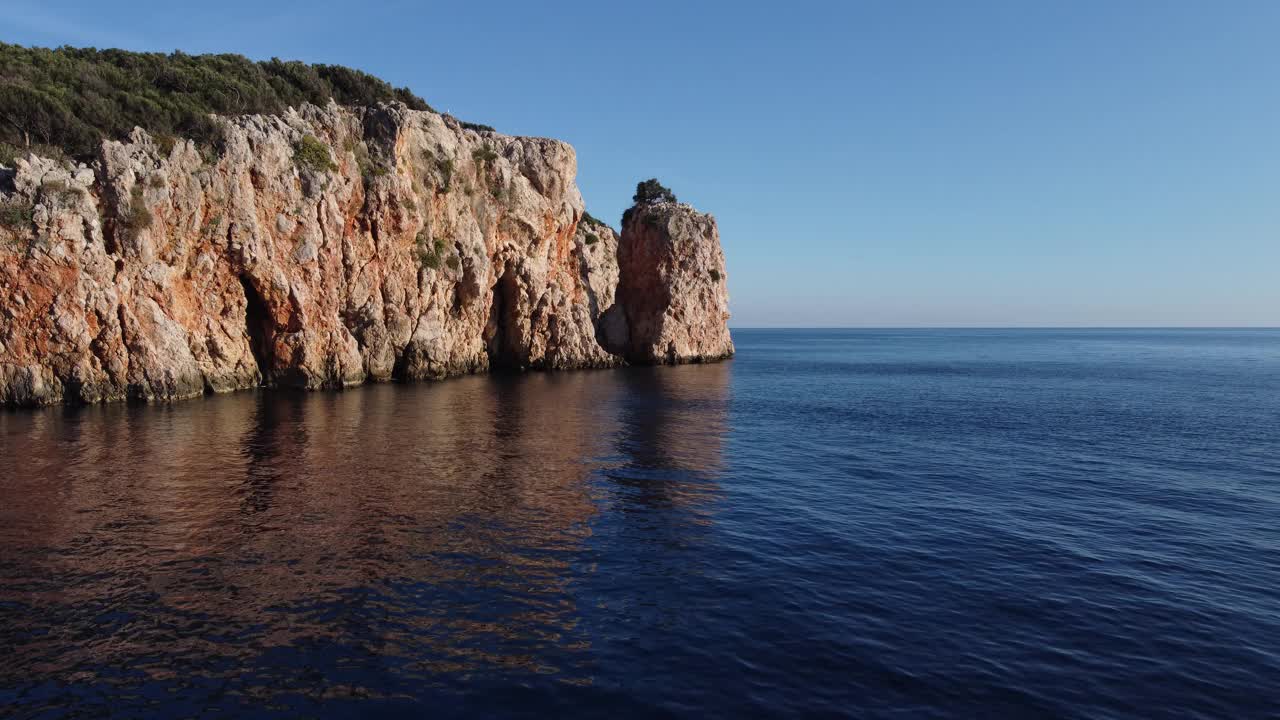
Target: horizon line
{"points": [[1004, 327]]}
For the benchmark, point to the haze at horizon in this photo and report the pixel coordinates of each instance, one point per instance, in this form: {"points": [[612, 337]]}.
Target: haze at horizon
{"points": [[871, 164]]}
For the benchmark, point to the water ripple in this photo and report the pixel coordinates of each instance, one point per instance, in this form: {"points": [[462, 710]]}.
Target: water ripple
{"points": [[836, 524]]}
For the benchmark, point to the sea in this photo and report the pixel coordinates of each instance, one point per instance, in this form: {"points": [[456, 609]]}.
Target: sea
{"points": [[836, 523]]}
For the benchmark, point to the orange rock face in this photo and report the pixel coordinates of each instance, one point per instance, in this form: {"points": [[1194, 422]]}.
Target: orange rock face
{"points": [[672, 291], [422, 250]]}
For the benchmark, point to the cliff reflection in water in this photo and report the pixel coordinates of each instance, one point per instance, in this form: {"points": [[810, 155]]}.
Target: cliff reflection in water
{"points": [[378, 543]]}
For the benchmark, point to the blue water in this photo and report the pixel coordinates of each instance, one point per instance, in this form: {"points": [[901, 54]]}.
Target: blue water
{"points": [[907, 524]]}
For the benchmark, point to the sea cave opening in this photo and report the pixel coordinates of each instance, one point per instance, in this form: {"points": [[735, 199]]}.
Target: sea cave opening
{"points": [[258, 327], [502, 335]]}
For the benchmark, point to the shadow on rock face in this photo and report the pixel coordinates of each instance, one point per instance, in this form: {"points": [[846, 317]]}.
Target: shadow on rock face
{"points": [[502, 332], [259, 328]]}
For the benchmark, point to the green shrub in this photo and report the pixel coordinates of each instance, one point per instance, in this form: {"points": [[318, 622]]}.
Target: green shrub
{"points": [[166, 142], [431, 254], [368, 167], [59, 189], [312, 154], [484, 155], [589, 218], [650, 192], [211, 226], [9, 154], [73, 98], [592, 238], [715, 275], [375, 170], [136, 217], [212, 145], [17, 215], [477, 127], [445, 167], [454, 262]]}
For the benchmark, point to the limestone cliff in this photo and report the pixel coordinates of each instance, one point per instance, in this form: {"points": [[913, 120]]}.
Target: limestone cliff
{"points": [[672, 305], [328, 247]]}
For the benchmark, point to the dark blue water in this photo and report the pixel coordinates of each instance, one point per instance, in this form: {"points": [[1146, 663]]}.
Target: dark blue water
{"points": [[902, 524]]}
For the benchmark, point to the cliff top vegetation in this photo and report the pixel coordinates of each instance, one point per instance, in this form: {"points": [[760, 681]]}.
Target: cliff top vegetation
{"points": [[648, 192], [70, 99]]}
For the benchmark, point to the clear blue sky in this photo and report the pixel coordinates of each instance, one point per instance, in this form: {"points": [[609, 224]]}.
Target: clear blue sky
{"points": [[871, 163]]}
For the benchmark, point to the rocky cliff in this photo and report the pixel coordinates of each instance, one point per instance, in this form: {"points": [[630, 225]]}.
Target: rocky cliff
{"points": [[671, 301], [333, 246]]}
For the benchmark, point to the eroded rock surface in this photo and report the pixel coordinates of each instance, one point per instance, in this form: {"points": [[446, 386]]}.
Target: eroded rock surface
{"points": [[422, 250], [672, 290]]}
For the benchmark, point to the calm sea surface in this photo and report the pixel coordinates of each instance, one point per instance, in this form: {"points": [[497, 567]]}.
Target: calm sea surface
{"points": [[901, 524]]}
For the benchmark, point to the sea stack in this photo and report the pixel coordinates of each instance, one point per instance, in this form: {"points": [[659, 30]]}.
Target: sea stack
{"points": [[672, 297]]}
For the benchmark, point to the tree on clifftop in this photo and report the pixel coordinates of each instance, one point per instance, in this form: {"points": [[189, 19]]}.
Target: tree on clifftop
{"points": [[651, 191]]}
